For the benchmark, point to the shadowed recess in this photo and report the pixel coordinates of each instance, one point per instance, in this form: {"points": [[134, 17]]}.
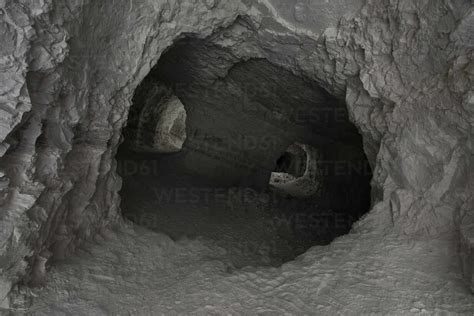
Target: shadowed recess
{"points": [[267, 157]]}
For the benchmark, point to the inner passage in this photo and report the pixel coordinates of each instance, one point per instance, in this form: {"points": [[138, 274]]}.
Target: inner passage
{"points": [[242, 154]]}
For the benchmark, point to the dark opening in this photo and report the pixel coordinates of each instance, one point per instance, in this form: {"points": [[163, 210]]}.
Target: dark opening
{"points": [[284, 162], [292, 163], [243, 119]]}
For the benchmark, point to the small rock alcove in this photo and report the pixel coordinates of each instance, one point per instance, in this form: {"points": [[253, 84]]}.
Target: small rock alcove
{"points": [[239, 152], [296, 173], [160, 126]]}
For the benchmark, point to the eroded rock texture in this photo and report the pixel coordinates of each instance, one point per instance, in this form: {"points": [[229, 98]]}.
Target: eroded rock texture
{"points": [[70, 69], [160, 125]]}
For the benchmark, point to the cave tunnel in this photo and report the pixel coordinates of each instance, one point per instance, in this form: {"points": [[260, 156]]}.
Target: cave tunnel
{"points": [[223, 157], [209, 135]]}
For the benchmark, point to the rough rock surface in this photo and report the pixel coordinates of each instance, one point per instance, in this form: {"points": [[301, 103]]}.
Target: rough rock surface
{"points": [[358, 274], [69, 70], [161, 127]]}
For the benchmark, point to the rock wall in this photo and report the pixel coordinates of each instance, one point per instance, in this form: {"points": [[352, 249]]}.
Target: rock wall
{"points": [[70, 68], [80, 70]]}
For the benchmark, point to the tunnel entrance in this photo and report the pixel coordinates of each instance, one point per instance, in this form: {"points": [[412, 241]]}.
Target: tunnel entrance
{"points": [[293, 161], [297, 173], [212, 142]]}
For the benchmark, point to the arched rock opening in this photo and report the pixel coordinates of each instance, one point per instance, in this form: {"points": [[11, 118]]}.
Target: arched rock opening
{"points": [[158, 125], [242, 119], [297, 173]]}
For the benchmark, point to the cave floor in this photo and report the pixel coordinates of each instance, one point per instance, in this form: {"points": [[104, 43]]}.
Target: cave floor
{"points": [[253, 227], [238, 221], [135, 271], [207, 254]]}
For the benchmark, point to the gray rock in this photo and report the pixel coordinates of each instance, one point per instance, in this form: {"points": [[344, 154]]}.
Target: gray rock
{"points": [[69, 70]]}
